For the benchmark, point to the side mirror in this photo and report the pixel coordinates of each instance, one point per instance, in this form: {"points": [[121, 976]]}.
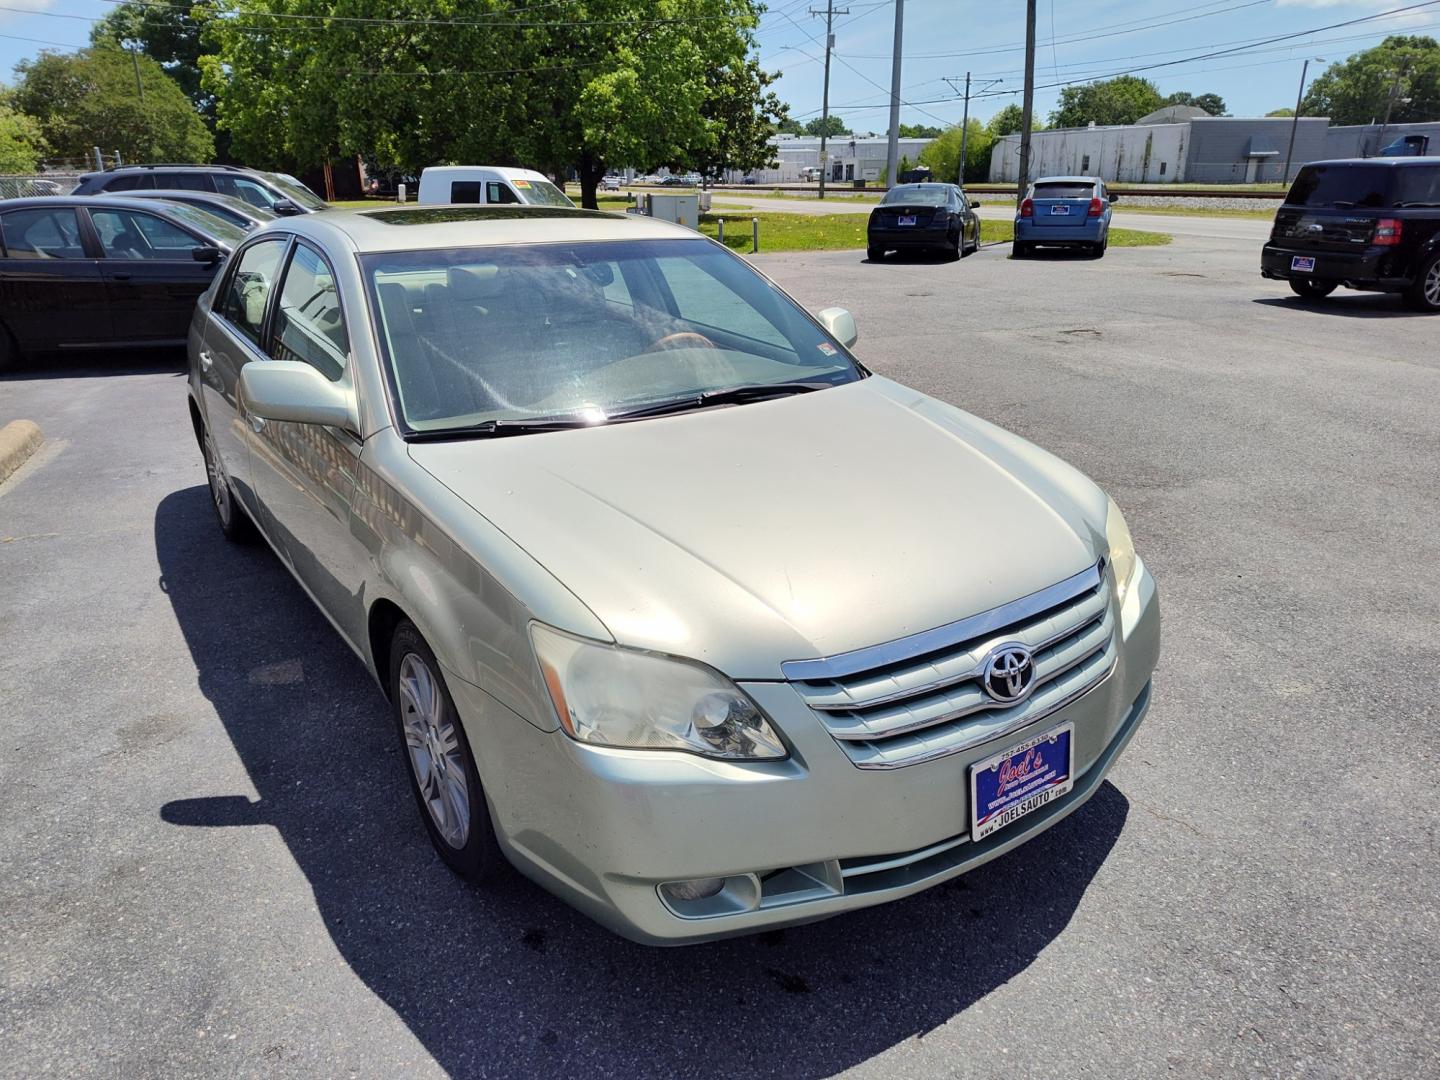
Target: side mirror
{"points": [[289, 390], [207, 254], [1114, 199], [284, 207], [841, 325], [974, 205]]}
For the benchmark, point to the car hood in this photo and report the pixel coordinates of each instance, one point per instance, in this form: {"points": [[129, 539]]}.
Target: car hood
{"points": [[782, 530]]}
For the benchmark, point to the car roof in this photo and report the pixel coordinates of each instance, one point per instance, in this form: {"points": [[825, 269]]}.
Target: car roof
{"points": [[1066, 180], [1394, 162], [505, 172], [91, 201], [414, 228]]}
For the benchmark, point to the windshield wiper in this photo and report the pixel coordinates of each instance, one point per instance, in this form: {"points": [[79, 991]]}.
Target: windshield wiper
{"points": [[489, 429], [728, 395]]}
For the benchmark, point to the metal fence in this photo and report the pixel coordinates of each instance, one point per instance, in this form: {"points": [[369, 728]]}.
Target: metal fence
{"points": [[23, 187]]}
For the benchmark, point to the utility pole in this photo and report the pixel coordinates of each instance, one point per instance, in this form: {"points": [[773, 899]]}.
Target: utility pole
{"points": [[1295, 123], [829, 14], [1389, 105], [135, 59], [1028, 108], [965, 123], [892, 150]]}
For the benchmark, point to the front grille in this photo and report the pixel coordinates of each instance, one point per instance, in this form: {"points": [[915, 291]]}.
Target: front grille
{"points": [[921, 697]]}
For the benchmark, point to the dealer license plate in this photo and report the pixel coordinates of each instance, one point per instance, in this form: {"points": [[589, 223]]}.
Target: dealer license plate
{"points": [[1060, 208], [1302, 262], [907, 219], [1019, 781]]}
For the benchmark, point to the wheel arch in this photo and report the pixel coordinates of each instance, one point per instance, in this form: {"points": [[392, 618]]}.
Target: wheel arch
{"points": [[384, 616]]}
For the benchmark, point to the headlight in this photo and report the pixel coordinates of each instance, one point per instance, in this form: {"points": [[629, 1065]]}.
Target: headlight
{"points": [[622, 697], [1122, 550]]}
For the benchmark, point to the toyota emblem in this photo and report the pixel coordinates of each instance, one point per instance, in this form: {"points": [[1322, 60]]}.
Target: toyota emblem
{"points": [[1009, 673]]}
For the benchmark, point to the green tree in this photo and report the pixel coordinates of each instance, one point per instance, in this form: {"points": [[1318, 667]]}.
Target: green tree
{"points": [[919, 131], [21, 143], [943, 155], [830, 127], [1358, 90], [742, 116], [89, 98], [1007, 121], [605, 82], [1121, 100], [790, 126], [1287, 111], [168, 32], [1213, 104]]}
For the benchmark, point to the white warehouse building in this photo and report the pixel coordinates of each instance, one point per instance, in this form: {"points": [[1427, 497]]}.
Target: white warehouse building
{"points": [[852, 157]]}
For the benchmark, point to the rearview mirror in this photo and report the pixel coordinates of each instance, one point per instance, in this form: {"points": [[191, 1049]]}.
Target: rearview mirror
{"points": [[289, 390], [841, 325], [207, 254]]}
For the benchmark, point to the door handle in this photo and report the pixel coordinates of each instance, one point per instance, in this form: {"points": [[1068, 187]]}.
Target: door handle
{"points": [[257, 423], [121, 277], [206, 360]]}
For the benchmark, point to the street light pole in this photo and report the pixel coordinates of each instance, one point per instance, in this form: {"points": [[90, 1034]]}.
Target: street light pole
{"points": [[1295, 120], [965, 123]]}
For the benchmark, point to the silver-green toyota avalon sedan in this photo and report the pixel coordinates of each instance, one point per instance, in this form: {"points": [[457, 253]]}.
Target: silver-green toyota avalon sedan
{"points": [[680, 609]]}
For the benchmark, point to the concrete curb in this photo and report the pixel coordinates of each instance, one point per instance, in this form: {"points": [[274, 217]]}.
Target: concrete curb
{"points": [[18, 440]]}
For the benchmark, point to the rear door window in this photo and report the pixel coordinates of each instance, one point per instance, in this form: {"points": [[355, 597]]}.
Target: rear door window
{"points": [[130, 182], [1342, 187], [131, 234], [242, 303], [189, 181], [1418, 187], [1064, 190], [465, 191], [43, 233]]}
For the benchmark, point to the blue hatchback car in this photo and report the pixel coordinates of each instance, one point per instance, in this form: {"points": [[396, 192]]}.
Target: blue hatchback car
{"points": [[1064, 211]]}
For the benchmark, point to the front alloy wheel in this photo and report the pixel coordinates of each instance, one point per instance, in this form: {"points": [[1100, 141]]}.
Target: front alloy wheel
{"points": [[443, 776]]}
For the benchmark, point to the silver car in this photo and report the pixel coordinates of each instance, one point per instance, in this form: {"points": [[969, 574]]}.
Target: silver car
{"points": [[681, 610]]}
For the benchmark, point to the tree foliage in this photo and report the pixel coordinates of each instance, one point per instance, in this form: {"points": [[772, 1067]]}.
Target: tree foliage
{"points": [[1121, 100], [943, 155], [1213, 104], [830, 126], [89, 98], [919, 131], [1287, 111], [592, 84], [1357, 90], [21, 143]]}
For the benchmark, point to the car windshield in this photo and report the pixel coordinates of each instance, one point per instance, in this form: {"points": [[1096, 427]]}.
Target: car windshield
{"points": [[917, 195], [1063, 189], [1342, 186], [542, 193], [212, 225], [296, 192], [586, 330]]}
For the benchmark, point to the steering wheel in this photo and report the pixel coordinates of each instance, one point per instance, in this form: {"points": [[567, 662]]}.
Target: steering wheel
{"points": [[685, 339]]}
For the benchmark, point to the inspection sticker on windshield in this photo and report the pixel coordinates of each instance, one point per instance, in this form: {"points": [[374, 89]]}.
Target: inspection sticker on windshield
{"points": [[907, 219], [1302, 262], [826, 348], [1020, 780]]}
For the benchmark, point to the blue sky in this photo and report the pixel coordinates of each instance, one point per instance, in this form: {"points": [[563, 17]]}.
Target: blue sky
{"points": [[1079, 39]]}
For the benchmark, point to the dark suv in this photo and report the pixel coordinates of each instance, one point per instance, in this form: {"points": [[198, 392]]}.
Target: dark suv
{"points": [[275, 192], [1370, 224]]}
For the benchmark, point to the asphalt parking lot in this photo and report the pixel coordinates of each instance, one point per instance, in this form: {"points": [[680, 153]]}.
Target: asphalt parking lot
{"points": [[210, 862]]}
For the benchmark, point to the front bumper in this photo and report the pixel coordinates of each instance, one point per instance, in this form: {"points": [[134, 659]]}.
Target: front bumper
{"points": [[1088, 230], [801, 839], [1375, 269]]}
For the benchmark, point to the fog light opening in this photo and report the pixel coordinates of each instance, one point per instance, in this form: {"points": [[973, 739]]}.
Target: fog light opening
{"points": [[695, 889]]}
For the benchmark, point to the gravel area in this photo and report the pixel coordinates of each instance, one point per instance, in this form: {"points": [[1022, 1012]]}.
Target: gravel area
{"points": [[1209, 203]]}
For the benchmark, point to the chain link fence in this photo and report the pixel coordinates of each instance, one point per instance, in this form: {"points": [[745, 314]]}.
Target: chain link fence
{"points": [[28, 185]]}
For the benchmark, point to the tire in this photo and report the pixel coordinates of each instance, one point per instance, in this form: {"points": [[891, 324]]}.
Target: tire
{"points": [[234, 522], [1098, 250], [1310, 289], [1020, 250], [1424, 293], [956, 251], [875, 254], [443, 777]]}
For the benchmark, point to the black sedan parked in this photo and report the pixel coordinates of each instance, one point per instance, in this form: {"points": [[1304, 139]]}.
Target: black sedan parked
{"points": [[924, 217], [236, 211], [83, 273]]}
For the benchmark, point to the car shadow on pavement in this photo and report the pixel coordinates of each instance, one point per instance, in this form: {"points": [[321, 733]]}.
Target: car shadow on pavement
{"points": [[1352, 306], [508, 980], [84, 365]]}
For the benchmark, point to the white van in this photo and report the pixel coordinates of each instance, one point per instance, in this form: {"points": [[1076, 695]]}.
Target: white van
{"points": [[488, 184]]}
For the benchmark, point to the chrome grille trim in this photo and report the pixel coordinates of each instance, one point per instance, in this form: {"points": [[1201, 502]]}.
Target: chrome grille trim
{"points": [[943, 637], [929, 702]]}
